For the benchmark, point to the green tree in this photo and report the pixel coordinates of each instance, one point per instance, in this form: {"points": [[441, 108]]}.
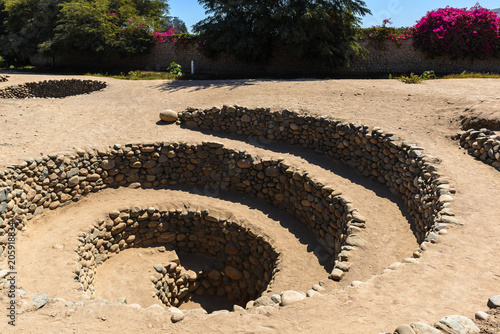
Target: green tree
{"points": [[3, 18], [27, 23], [155, 10], [322, 31], [96, 27], [173, 22], [84, 26], [3, 27]]}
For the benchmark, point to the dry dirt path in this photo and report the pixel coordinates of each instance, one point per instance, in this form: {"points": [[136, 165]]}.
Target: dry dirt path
{"points": [[455, 276]]}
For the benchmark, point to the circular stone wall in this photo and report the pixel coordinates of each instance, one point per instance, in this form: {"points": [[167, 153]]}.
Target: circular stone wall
{"points": [[52, 89], [242, 267], [398, 165], [483, 144], [55, 181], [50, 182]]}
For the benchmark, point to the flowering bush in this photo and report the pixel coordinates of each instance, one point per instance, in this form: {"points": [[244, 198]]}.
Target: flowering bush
{"points": [[165, 37], [458, 32], [176, 37], [137, 28], [378, 35], [135, 37]]}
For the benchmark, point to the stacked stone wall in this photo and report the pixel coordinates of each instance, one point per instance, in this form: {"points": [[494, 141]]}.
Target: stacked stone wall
{"points": [[243, 263], [56, 180], [49, 182], [52, 89], [483, 144], [400, 166]]}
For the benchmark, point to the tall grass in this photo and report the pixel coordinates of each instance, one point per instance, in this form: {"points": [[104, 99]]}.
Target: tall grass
{"points": [[472, 75], [140, 75]]}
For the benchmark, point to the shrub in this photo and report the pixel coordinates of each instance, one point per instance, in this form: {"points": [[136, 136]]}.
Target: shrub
{"points": [[458, 32], [411, 79], [164, 37], [379, 35], [414, 79], [427, 75], [176, 37], [174, 68]]}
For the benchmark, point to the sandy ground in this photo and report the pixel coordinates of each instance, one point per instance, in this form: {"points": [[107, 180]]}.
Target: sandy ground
{"points": [[455, 276]]}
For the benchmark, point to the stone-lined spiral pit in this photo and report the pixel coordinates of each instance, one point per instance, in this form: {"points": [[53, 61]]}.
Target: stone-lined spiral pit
{"points": [[52, 89], [242, 267], [29, 188]]}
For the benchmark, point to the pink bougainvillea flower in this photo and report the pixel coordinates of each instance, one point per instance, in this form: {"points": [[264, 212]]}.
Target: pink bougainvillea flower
{"points": [[458, 32]]}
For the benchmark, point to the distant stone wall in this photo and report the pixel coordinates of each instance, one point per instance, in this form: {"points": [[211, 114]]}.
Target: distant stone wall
{"points": [[52, 89], [390, 58]]}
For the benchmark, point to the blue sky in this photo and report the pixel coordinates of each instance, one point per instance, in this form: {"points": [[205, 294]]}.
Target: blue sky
{"points": [[401, 12]]}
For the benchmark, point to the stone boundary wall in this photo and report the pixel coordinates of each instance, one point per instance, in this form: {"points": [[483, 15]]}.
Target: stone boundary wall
{"points": [[483, 144], [400, 166], [52, 181], [389, 58], [243, 264], [52, 89]]}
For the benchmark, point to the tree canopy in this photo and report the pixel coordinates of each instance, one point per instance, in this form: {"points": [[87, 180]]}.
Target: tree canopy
{"points": [[322, 30], [176, 24], [52, 27]]}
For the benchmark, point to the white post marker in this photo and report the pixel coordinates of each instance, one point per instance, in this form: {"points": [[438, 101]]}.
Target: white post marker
{"points": [[192, 66]]}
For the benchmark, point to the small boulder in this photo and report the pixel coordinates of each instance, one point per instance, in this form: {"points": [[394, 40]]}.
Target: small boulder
{"points": [[336, 274], [233, 273], [494, 301], [263, 301], [423, 328], [169, 116], [40, 300], [311, 293], [177, 316], [457, 324], [276, 298], [290, 296], [355, 241], [244, 163], [317, 287], [404, 329], [108, 164], [272, 171], [480, 315], [3, 273]]}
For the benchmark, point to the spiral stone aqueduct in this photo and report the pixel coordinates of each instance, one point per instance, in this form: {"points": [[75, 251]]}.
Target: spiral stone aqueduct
{"points": [[242, 264]]}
